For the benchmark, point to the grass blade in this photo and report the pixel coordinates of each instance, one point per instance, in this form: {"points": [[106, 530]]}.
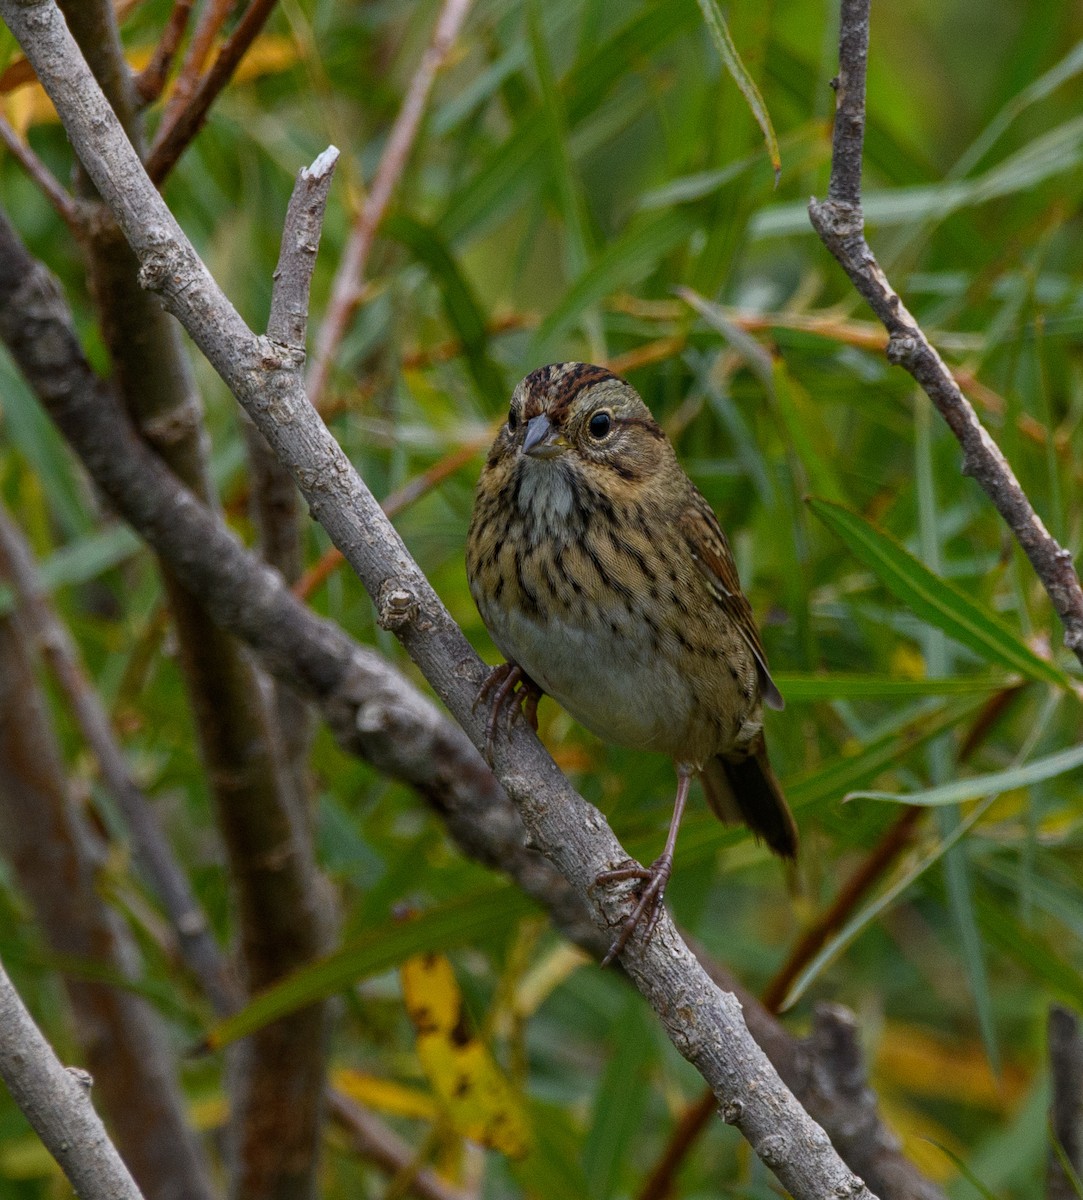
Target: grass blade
{"points": [[962, 790], [723, 41], [934, 599]]}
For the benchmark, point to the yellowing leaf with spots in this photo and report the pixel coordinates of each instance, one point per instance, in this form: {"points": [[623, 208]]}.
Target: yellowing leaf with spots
{"points": [[385, 1095], [473, 1092]]}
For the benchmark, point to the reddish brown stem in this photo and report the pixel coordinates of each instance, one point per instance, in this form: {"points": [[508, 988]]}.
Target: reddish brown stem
{"points": [[177, 132]]}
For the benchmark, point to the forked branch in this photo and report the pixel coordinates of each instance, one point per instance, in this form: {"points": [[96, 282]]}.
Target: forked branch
{"points": [[705, 1024]]}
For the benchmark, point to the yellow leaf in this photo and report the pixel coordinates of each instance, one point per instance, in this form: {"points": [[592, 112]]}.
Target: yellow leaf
{"points": [[472, 1091], [384, 1095]]}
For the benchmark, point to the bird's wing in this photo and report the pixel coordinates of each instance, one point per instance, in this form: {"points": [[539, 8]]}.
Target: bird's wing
{"points": [[714, 559]]}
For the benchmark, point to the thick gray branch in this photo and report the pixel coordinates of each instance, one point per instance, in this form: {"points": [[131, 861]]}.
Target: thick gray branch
{"points": [[56, 1102], [704, 1023], [840, 224], [376, 713]]}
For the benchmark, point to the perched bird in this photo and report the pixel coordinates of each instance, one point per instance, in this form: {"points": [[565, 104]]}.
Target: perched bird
{"points": [[606, 581]]}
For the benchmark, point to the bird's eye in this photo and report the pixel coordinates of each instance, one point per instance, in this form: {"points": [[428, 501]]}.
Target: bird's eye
{"points": [[513, 419], [599, 424]]}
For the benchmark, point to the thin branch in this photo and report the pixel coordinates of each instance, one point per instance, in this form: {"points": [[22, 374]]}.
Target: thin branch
{"points": [[840, 225], [151, 80], [56, 1101], [178, 130], [297, 259], [395, 503], [152, 850], [52, 189], [704, 1023], [373, 710], [55, 858], [872, 867], [1066, 1104], [346, 289], [213, 14], [372, 1139]]}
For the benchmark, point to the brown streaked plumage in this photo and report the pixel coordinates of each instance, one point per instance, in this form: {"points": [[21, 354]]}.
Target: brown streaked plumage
{"points": [[607, 582]]}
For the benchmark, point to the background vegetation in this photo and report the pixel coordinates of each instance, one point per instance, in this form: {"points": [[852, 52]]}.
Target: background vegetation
{"points": [[579, 162]]}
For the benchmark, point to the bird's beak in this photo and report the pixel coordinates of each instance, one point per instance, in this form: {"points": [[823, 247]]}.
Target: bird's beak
{"points": [[542, 440]]}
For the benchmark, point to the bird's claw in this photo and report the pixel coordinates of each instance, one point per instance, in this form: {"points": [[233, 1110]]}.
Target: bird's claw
{"points": [[515, 693], [649, 904]]}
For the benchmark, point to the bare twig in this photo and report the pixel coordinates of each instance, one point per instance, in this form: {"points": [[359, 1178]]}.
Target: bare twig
{"points": [[55, 858], [394, 504], [56, 1102], [212, 17], [840, 224], [151, 80], [871, 869], [371, 707], [179, 128], [1066, 1105], [373, 1140], [152, 851], [346, 288], [51, 188], [704, 1023]]}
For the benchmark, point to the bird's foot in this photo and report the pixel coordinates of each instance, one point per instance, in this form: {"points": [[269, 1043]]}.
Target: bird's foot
{"points": [[649, 903], [513, 692]]}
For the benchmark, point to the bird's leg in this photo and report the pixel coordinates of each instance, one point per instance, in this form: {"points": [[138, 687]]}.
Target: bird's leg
{"points": [[655, 877], [503, 681]]}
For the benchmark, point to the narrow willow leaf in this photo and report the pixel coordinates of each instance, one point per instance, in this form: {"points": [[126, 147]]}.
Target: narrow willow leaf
{"points": [[454, 924], [805, 430], [964, 1170], [82, 560], [460, 304], [723, 41], [985, 785], [1066, 1166], [845, 772], [883, 687], [863, 919], [934, 599]]}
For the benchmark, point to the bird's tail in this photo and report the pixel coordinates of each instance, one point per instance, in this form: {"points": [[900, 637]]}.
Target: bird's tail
{"points": [[744, 788]]}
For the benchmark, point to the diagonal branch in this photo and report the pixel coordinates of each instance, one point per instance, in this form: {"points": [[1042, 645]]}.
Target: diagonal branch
{"points": [[374, 711], [346, 288], [182, 126], [704, 1023], [153, 854], [56, 1101], [840, 223]]}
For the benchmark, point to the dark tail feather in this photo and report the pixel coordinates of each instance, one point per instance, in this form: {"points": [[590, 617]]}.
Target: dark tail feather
{"points": [[745, 789]]}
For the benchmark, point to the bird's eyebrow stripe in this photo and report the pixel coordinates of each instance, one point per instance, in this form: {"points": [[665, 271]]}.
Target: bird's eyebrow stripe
{"points": [[645, 423]]}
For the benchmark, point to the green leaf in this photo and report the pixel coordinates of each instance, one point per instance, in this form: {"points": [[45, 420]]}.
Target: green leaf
{"points": [[799, 687], [964, 1170], [861, 920], [624, 262], [840, 775], [460, 304], [460, 922], [985, 785], [934, 599], [720, 34], [81, 560], [618, 1110]]}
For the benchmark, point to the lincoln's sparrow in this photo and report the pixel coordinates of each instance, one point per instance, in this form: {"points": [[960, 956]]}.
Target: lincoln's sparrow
{"points": [[607, 582]]}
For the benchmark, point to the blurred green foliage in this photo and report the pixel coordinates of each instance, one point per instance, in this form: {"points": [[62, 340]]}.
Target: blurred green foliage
{"points": [[580, 161]]}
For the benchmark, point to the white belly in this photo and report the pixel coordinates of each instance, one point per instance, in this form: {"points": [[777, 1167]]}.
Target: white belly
{"points": [[614, 685]]}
